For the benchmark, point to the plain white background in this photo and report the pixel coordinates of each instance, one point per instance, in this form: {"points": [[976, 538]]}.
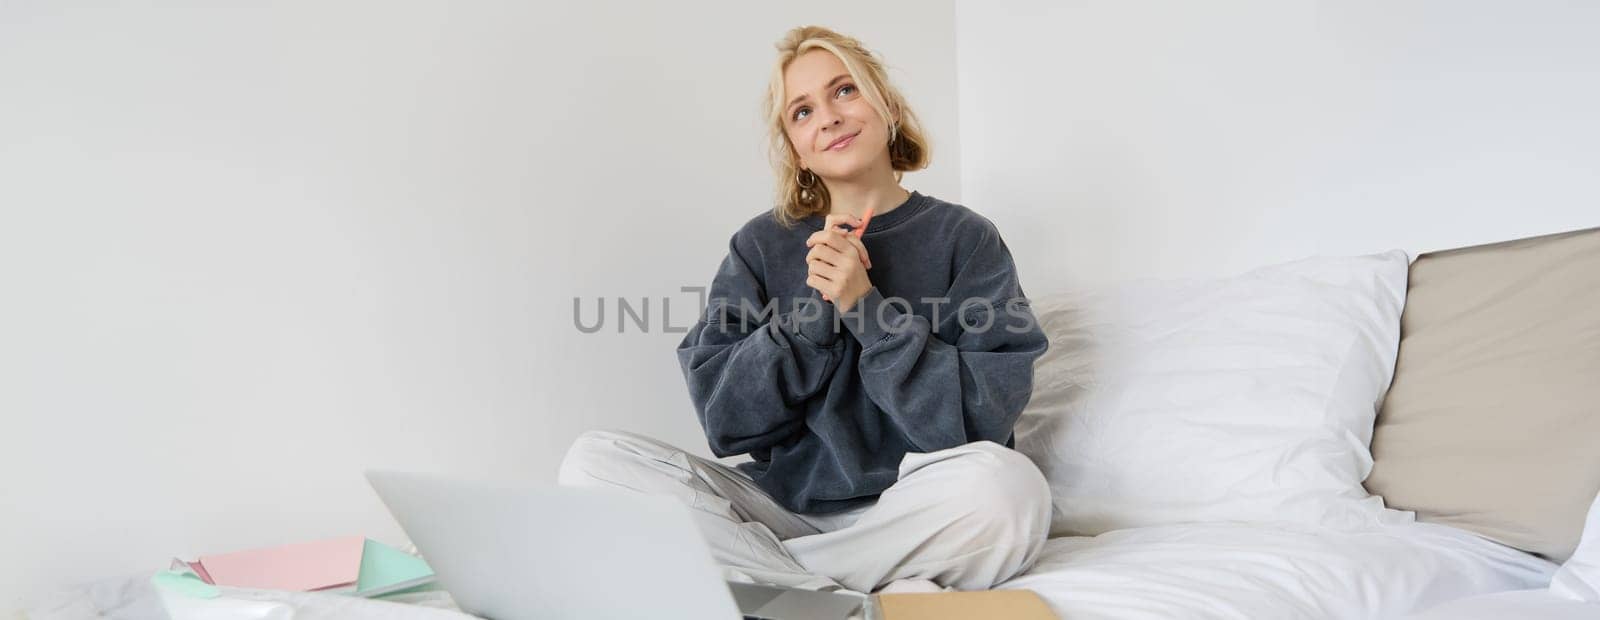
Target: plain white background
{"points": [[1119, 139], [248, 251]]}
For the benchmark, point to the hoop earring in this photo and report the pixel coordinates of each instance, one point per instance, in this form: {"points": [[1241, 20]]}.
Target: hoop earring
{"points": [[894, 132], [807, 195]]}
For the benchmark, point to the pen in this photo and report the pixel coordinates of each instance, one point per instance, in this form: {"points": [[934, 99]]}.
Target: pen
{"points": [[865, 219]]}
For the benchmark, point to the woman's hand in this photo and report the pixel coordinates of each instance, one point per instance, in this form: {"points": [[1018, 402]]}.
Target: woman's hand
{"points": [[837, 263]]}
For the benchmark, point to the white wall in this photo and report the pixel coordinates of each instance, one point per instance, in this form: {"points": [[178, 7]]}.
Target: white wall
{"points": [[1113, 139], [248, 251]]}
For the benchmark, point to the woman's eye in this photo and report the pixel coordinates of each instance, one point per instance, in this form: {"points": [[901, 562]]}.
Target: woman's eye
{"points": [[841, 90]]}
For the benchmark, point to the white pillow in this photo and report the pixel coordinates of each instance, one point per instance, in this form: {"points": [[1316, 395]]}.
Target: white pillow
{"points": [[1249, 398], [1579, 578]]}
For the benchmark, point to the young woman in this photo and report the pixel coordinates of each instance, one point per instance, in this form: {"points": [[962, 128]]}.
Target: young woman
{"points": [[874, 380]]}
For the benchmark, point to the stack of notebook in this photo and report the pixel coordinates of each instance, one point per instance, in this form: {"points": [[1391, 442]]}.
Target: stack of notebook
{"points": [[349, 565]]}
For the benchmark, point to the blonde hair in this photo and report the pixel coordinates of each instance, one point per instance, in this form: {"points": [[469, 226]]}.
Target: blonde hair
{"points": [[908, 146]]}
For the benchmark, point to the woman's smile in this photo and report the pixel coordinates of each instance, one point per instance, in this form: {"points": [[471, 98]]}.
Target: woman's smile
{"points": [[843, 143]]}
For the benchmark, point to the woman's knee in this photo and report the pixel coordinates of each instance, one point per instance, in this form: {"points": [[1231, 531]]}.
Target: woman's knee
{"points": [[988, 505], [593, 454], [1002, 486]]}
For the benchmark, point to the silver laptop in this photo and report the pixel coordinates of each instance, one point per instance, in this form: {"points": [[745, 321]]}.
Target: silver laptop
{"points": [[508, 553]]}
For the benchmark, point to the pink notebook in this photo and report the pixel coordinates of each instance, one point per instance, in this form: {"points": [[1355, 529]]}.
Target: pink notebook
{"points": [[298, 567]]}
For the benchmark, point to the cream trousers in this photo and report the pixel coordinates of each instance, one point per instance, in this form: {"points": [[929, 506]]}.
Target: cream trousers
{"points": [[967, 517]]}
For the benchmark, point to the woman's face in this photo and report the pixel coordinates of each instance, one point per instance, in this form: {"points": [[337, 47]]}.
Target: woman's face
{"points": [[825, 109]]}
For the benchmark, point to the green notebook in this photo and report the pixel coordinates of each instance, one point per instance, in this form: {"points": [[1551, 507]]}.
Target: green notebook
{"points": [[387, 570]]}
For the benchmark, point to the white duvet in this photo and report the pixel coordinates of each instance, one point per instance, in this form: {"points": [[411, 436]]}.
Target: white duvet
{"points": [[1179, 571], [1246, 571]]}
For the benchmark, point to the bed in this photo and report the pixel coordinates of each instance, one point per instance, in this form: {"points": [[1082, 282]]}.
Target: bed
{"points": [[1188, 571], [1207, 444]]}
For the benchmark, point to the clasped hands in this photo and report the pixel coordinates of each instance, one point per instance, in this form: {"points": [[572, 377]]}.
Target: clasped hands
{"points": [[837, 263]]}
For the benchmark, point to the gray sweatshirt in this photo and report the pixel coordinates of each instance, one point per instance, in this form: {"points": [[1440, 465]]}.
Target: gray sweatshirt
{"points": [[939, 353]]}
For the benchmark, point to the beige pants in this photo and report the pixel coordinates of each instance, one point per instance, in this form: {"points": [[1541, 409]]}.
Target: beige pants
{"points": [[967, 517]]}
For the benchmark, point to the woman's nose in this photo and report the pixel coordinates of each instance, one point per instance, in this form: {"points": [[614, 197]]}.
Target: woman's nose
{"points": [[829, 117]]}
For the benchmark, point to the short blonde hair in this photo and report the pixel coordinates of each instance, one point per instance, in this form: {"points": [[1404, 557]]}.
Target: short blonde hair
{"points": [[908, 150]]}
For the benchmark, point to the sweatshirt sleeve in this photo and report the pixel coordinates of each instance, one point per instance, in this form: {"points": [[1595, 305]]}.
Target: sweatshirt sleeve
{"points": [[944, 394], [750, 365]]}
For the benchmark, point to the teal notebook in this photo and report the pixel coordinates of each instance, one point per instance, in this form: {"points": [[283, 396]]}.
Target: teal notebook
{"points": [[387, 570]]}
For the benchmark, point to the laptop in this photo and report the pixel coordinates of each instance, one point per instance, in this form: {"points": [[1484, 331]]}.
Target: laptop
{"points": [[509, 553]]}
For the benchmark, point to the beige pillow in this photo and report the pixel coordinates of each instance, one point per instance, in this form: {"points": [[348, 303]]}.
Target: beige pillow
{"points": [[1492, 423]]}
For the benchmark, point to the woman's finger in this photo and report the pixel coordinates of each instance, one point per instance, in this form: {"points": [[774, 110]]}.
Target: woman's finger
{"points": [[826, 255], [827, 234], [818, 282], [827, 271], [831, 238], [833, 253], [843, 243], [866, 261], [832, 221], [848, 246]]}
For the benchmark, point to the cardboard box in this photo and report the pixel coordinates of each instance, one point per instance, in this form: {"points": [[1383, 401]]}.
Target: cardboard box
{"points": [[980, 605]]}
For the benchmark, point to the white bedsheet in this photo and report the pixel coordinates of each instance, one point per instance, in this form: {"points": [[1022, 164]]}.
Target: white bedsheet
{"points": [[1537, 604], [1178, 571], [1251, 571], [132, 597]]}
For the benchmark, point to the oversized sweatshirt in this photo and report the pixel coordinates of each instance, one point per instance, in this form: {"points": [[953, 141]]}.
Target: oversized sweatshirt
{"points": [[939, 353]]}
